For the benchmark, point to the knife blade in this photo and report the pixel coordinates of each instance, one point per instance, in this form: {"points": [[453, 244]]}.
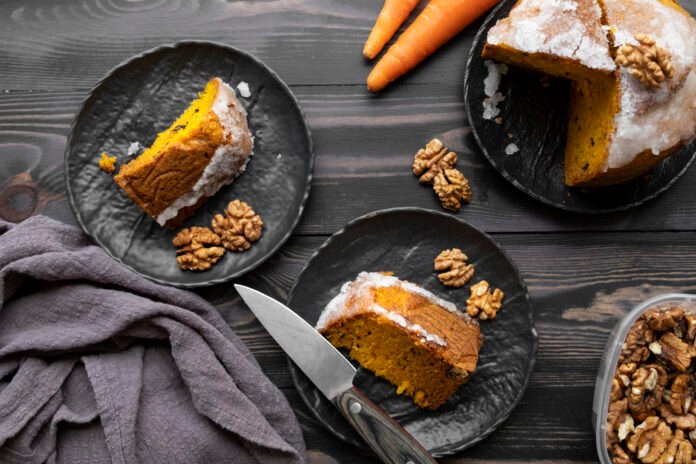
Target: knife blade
{"points": [[333, 375]]}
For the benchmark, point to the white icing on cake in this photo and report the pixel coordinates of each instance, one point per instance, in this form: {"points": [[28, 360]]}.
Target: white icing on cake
{"points": [[338, 307], [566, 28], [491, 85], [652, 119], [229, 159]]}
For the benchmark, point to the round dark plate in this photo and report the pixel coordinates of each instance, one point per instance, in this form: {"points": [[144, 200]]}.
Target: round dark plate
{"points": [[406, 242], [142, 97], [534, 116]]}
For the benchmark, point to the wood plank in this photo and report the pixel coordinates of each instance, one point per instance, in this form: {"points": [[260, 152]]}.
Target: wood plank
{"points": [[64, 44], [581, 284], [364, 149]]}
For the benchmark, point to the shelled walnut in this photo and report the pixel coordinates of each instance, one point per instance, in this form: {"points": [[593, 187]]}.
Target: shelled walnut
{"points": [[432, 159], [652, 415], [483, 302], [649, 63], [435, 165], [239, 226], [197, 248], [452, 188], [453, 267]]}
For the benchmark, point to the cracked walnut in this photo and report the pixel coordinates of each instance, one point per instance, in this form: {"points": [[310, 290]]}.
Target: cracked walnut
{"points": [[238, 227], [197, 248], [432, 159], [483, 302], [452, 188], [453, 267], [649, 63]]}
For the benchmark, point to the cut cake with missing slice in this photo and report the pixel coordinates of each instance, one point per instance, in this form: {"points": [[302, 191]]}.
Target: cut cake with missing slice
{"points": [[618, 128]]}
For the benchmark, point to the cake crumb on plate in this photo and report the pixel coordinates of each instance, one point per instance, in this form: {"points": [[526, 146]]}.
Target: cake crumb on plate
{"points": [[243, 88], [133, 148]]}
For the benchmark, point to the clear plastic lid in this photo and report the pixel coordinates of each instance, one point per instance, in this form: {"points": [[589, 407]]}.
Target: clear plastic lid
{"points": [[607, 366]]}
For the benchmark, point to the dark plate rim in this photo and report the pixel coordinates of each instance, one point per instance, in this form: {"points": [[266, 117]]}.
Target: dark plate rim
{"points": [[455, 448], [171, 46], [467, 106]]}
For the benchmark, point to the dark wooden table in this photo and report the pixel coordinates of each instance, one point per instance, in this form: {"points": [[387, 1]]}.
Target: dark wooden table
{"points": [[583, 272]]}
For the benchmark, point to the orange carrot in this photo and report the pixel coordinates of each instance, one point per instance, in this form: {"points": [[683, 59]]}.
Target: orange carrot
{"points": [[439, 22], [393, 15]]}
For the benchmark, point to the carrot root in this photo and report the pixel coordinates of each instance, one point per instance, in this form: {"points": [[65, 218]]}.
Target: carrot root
{"points": [[392, 16], [437, 24]]}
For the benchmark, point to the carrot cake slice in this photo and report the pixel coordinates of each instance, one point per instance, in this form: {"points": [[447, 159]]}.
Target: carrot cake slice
{"points": [[421, 343], [206, 148]]}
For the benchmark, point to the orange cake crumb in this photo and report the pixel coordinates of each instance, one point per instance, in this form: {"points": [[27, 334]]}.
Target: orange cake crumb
{"points": [[107, 163]]}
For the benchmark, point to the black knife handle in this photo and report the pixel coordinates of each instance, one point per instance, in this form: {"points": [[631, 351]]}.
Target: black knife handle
{"points": [[386, 437]]}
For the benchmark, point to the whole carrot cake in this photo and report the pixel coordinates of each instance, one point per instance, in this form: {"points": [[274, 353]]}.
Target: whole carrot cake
{"points": [[421, 343], [206, 148], [633, 89]]}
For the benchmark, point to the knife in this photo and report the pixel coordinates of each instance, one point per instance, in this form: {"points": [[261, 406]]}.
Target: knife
{"points": [[333, 375]]}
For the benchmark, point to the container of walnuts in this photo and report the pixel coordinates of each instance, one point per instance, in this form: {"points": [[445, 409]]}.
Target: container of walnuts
{"points": [[644, 407]]}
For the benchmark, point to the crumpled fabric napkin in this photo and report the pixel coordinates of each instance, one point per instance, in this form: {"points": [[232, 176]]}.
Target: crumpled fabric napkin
{"points": [[100, 365]]}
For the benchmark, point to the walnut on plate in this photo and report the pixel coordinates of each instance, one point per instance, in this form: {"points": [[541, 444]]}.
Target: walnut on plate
{"points": [[238, 227], [452, 188], [457, 271], [197, 248], [432, 159], [483, 302]]}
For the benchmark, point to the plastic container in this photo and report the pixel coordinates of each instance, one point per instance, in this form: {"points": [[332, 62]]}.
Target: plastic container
{"points": [[607, 367]]}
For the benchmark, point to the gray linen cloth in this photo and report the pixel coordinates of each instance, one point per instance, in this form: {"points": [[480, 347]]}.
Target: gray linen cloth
{"points": [[99, 365]]}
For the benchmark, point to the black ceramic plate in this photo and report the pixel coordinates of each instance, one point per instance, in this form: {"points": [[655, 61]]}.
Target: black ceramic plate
{"points": [[142, 97], [406, 242], [534, 116]]}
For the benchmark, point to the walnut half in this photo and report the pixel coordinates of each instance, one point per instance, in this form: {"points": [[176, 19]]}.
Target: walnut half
{"points": [[483, 302], [197, 248], [457, 271], [238, 227], [432, 159], [452, 188], [649, 63]]}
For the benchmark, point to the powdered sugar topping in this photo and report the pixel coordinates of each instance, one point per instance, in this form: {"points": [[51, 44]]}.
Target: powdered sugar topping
{"points": [[566, 28]]}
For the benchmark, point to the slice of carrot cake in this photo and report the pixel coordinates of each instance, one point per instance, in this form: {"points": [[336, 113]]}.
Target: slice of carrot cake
{"points": [[421, 343], [206, 148]]}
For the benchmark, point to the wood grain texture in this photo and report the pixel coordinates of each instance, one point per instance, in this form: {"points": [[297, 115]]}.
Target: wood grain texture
{"points": [[364, 148]]}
